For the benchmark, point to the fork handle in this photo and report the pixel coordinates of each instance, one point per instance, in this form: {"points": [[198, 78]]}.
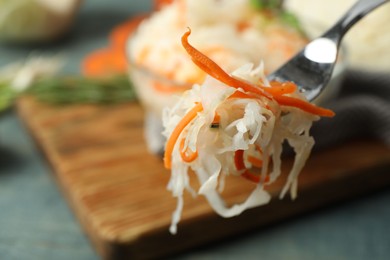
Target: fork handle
{"points": [[353, 15]]}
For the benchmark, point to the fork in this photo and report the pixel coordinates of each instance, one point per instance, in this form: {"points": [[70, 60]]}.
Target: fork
{"points": [[311, 69]]}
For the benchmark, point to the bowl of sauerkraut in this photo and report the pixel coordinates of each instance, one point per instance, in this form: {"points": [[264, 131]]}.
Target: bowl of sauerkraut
{"points": [[230, 32]]}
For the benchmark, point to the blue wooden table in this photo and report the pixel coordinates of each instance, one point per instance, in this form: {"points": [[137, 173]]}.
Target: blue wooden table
{"points": [[36, 223]]}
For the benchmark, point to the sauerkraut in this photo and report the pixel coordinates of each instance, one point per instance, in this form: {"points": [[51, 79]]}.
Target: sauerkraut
{"points": [[231, 32], [235, 125]]}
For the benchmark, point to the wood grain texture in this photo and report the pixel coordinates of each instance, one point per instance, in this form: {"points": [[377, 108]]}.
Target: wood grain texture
{"points": [[118, 190]]}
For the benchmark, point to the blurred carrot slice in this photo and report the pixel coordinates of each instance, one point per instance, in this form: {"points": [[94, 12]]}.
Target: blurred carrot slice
{"points": [[103, 62], [111, 60], [120, 33], [158, 4]]}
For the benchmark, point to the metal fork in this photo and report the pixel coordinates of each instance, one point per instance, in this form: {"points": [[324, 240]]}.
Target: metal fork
{"points": [[311, 69]]}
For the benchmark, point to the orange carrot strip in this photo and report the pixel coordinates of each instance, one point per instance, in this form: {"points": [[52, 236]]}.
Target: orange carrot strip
{"points": [[211, 68], [290, 101], [166, 89], [102, 62], [239, 160], [119, 35], [240, 165], [240, 94], [187, 155], [250, 176], [158, 4], [280, 88], [111, 60], [242, 26], [118, 61], [255, 161], [177, 131], [275, 89], [92, 65], [304, 105], [216, 119]]}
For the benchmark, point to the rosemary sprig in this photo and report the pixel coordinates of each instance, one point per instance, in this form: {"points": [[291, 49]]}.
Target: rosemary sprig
{"points": [[72, 90], [7, 96], [77, 89]]}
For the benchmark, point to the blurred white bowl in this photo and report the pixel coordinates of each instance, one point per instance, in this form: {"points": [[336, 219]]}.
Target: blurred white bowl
{"points": [[36, 21]]}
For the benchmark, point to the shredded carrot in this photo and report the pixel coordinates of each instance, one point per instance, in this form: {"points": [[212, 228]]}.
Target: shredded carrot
{"points": [[280, 88], [250, 176], [112, 59], [289, 101], [276, 88], [242, 26], [187, 155], [304, 105], [276, 91], [158, 4], [255, 161], [216, 119], [102, 62], [177, 131], [240, 165], [119, 35], [167, 89], [211, 68], [240, 94], [239, 160]]}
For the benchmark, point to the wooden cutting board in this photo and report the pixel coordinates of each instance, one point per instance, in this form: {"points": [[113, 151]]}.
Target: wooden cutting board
{"points": [[118, 190]]}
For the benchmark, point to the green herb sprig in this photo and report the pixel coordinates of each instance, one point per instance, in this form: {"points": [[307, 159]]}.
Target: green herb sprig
{"points": [[77, 89], [72, 90], [276, 7], [7, 96], [267, 4]]}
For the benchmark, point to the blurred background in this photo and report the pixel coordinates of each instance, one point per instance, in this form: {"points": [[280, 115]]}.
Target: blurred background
{"points": [[35, 220]]}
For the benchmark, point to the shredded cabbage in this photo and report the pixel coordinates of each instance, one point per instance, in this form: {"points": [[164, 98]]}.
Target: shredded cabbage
{"points": [[258, 126]]}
